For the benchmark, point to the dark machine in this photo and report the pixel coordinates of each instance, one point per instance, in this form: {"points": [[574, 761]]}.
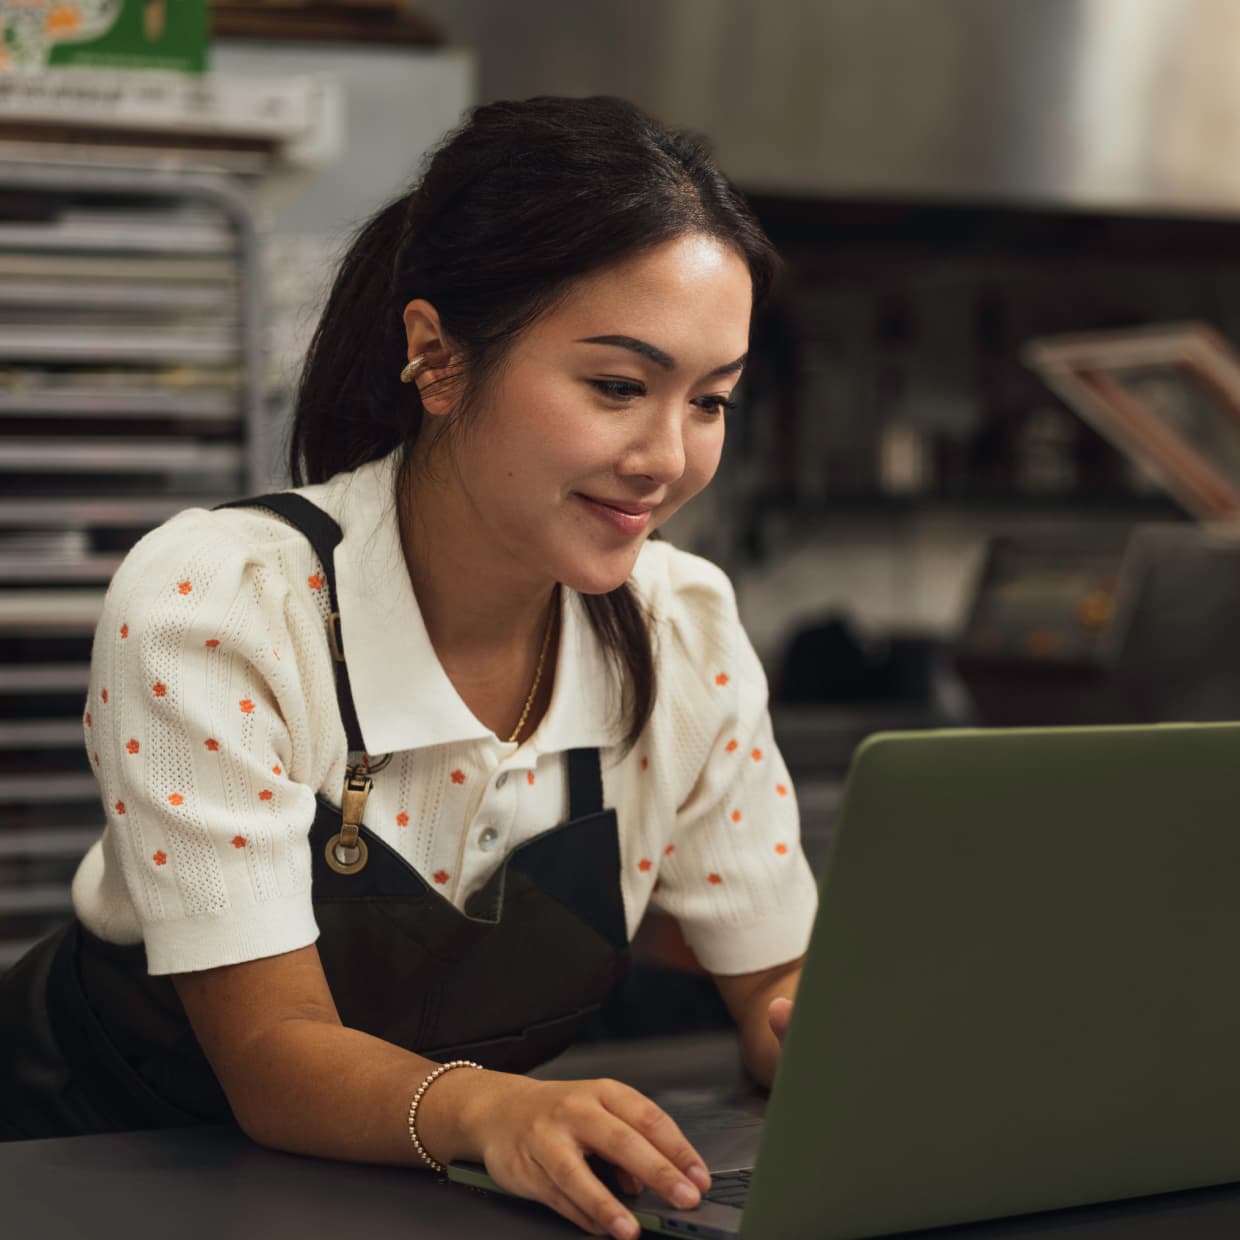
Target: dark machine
{"points": [[1073, 631]]}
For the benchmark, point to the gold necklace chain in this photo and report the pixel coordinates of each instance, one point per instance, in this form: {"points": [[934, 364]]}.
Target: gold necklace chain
{"points": [[538, 671]]}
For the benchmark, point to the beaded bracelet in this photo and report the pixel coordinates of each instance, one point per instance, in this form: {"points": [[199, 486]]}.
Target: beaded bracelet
{"points": [[417, 1098]]}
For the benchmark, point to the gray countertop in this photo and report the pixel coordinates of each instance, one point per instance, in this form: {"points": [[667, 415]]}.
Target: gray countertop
{"points": [[214, 1184]]}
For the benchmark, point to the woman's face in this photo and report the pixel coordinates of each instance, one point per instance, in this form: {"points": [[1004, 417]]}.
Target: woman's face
{"points": [[608, 413]]}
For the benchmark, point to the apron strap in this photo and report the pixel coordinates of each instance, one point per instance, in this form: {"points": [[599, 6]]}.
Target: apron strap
{"points": [[585, 783], [324, 535]]}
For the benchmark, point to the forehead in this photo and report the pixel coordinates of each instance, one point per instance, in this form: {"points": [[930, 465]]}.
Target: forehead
{"points": [[691, 296]]}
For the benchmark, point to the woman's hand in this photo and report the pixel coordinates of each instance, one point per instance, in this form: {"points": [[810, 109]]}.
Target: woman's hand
{"points": [[534, 1137]]}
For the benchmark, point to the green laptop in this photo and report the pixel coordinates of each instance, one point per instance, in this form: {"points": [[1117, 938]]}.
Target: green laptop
{"points": [[1019, 995]]}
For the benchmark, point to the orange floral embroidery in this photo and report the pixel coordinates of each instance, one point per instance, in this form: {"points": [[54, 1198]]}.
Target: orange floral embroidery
{"points": [[713, 878], [211, 642], [185, 587], [781, 849], [175, 798], [239, 841], [103, 696], [440, 876], [756, 754], [247, 707], [782, 789], [458, 777], [277, 769], [124, 631], [211, 743], [733, 745], [88, 719], [159, 689], [266, 794], [160, 858], [402, 819], [119, 807], [316, 581], [721, 679], [644, 864], [736, 815], [671, 848], [132, 745], [529, 778]]}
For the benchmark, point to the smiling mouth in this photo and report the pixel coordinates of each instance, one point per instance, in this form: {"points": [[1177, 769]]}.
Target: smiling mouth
{"points": [[628, 518], [629, 509]]}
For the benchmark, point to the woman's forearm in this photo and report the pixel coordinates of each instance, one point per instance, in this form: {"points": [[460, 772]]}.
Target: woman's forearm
{"points": [[318, 1088]]}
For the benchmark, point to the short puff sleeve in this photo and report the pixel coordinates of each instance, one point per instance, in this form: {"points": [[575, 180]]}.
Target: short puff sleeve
{"points": [[735, 878], [203, 743]]}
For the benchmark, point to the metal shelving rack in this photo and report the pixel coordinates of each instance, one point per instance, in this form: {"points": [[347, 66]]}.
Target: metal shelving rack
{"points": [[130, 388]]}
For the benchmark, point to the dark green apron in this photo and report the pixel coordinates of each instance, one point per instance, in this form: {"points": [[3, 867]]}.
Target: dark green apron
{"points": [[90, 1042]]}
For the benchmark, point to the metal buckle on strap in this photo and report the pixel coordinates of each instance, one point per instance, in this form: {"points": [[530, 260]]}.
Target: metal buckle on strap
{"points": [[346, 851], [334, 638]]}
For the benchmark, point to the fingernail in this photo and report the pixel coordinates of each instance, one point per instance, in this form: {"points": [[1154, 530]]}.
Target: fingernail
{"points": [[700, 1176], [624, 1227], [685, 1195]]}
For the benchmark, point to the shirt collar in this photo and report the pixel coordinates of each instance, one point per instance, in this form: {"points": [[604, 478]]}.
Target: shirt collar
{"points": [[402, 695]]}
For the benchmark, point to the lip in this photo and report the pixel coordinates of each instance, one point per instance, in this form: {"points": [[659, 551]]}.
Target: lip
{"points": [[622, 515]]}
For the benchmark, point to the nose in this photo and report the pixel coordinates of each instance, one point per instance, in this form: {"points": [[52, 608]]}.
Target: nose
{"points": [[657, 450]]}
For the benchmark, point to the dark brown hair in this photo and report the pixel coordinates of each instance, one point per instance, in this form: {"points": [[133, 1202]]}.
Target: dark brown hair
{"points": [[519, 201]]}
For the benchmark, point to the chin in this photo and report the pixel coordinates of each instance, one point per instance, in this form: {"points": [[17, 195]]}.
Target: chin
{"points": [[601, 578]]}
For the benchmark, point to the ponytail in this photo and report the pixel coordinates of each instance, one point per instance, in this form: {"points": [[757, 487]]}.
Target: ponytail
{"points": [[351, 406]]}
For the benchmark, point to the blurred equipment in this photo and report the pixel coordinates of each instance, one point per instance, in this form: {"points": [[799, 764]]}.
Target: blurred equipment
{"points": [[827, 661], [389, 22], [1088, 630], [1092, 626], [1168, 396]]}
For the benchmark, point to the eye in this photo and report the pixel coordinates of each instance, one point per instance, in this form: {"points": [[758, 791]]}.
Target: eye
{"points": [[619, 389], [716, 404]]}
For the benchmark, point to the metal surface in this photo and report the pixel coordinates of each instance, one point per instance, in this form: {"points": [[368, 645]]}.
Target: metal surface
{"points": [[1113, 104]]}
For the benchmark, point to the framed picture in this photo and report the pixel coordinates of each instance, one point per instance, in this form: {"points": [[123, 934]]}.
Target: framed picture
{"points": [[1168, 396]]}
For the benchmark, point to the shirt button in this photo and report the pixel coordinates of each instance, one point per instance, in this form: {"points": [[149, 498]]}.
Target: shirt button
{"points": [[502, 780], [488, 838]]}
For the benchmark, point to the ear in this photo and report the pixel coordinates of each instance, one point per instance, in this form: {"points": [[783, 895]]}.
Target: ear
{"points": [[425, 335]]}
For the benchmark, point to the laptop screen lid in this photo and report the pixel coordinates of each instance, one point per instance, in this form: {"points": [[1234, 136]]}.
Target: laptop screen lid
{"points": [[1020, 992]]}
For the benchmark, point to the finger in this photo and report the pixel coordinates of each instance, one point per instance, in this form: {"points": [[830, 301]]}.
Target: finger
{"points": [[570, 1178], [620, 1143], [662, 1134], [560, 1203], [629, 1183], [779, 1014]]}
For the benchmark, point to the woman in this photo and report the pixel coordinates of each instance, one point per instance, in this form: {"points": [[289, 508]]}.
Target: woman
{"points": [[458, 635]]}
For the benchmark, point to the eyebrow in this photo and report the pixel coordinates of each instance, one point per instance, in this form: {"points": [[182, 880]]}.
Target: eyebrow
{"points": [[658, 356]]}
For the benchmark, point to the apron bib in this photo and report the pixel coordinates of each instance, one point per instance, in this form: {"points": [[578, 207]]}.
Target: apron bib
{"points": [[93, 1043]]}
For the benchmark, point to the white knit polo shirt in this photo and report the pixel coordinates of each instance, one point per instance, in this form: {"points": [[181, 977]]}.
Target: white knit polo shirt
{"points": [[212, 723]]}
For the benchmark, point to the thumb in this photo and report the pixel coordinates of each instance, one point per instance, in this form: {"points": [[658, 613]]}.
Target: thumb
{"points": [[779, 1013]]}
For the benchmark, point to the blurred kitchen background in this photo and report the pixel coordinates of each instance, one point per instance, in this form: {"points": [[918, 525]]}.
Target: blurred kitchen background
{"points": [[939, 507]]}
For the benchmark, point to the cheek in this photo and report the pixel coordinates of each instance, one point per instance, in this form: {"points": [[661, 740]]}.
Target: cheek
{"points": [[553, 430], [702, 454]]}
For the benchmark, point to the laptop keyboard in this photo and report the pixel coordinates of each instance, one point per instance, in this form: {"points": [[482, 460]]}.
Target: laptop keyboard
{"points": [[729, 1188]]}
